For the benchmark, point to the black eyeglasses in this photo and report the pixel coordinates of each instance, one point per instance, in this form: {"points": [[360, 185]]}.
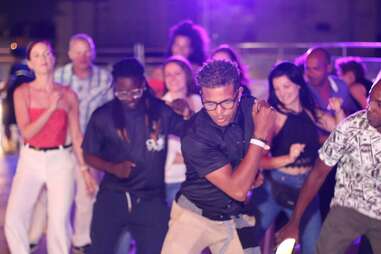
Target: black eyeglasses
{"points": [[134, 93], [225, 104]]}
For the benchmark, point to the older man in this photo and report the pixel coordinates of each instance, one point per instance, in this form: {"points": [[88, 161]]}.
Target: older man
{"points": [[92, 85]]}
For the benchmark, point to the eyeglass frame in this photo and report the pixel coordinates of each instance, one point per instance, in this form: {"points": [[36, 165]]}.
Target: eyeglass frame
{"points": [[130, 94], [233, 100]]}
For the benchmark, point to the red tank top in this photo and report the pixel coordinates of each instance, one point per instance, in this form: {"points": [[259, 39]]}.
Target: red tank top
{"points": [[54, 131]]}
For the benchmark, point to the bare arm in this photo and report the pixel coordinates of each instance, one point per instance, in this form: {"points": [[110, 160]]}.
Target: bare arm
{"points": [[77, 137], [327, 121], [358, 92], [237, 183], [268, 162], [74, 128], [29, 129], [310, 188]]}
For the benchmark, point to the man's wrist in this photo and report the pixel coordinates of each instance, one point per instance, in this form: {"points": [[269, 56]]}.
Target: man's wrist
{"points": [[260, 143], [260, 136]]}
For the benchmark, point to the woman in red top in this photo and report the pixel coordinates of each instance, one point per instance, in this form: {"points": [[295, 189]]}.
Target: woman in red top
{"points": [[47, 116]]}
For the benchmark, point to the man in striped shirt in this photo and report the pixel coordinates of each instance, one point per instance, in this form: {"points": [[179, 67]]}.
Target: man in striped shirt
{"points": [[92, 85]]}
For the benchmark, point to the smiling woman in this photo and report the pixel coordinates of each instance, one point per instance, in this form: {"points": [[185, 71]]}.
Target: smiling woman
{"points": [[294, 148], [181, 95]]}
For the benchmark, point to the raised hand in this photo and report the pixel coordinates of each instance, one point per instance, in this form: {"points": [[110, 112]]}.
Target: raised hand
{"points": [[263, 119], [295, 150], [181, 107], [54, 99], [335, 103]]}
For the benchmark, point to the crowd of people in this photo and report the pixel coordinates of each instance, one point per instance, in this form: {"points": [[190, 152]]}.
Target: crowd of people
{"points": [[196, 164]]}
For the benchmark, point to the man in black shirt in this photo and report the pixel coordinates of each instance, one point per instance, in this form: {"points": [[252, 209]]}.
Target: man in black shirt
{"points": [[221, 150], [126, 138]]}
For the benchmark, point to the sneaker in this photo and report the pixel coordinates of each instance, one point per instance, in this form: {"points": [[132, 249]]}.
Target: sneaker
{"points": [[81, 249], [33, 247]]}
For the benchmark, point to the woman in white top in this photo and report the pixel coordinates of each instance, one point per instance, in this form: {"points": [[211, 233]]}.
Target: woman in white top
{"points": [[180, 88]]}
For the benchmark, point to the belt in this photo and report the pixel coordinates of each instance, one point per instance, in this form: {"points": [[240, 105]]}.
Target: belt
{"points": [[45, 149]]}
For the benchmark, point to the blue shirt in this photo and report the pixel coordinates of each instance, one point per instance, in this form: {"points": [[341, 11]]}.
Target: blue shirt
{"points": [[337, 88]]}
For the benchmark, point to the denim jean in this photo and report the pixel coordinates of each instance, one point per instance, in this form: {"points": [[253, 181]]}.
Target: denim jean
{"points": [[171, 190], [267, 209]]}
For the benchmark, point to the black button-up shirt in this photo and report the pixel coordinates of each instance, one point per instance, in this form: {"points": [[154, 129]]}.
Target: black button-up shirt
{"points": [[207, 147], [101, 139]]}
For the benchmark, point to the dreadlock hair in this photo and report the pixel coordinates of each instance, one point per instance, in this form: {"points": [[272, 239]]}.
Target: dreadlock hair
{"points": [[132, 68]]}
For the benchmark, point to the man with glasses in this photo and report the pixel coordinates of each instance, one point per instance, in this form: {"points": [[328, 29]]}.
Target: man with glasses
{"points": [[126, 138], [222, 147]]}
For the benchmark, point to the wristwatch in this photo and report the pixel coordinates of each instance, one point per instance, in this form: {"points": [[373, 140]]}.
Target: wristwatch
{"points": [[259, 142]]}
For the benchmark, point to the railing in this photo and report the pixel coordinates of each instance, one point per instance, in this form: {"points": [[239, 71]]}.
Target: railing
{"points": [[369, 52]]}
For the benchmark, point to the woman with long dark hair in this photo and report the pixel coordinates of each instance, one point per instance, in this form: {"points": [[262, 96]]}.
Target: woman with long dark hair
{"points": [[294, 148]]}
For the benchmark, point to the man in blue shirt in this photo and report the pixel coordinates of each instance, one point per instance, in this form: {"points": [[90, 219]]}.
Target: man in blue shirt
{"points": [[318, 68]]}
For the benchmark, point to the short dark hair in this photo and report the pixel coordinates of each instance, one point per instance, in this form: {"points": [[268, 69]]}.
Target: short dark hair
{"points": [[319, 50], [217, 73]]}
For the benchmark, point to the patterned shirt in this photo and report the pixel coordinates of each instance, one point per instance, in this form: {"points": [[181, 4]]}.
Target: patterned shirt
{"points": [[356, 146], [92, 92]]}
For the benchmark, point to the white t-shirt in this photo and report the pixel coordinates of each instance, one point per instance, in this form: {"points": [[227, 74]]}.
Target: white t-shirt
{"points": [[175, 172]]}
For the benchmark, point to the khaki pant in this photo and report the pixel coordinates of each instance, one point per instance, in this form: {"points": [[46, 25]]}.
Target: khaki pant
{"points": [[190, 233], [342, 226]]}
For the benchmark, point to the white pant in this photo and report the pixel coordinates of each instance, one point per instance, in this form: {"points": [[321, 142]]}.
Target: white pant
{"points": [[82, 217], [84, 203], [55, 170]]}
